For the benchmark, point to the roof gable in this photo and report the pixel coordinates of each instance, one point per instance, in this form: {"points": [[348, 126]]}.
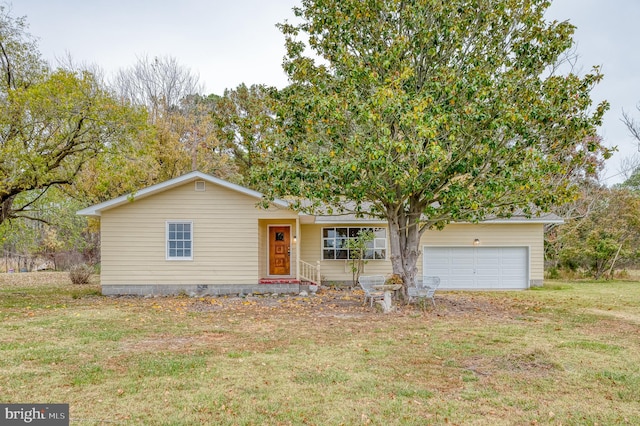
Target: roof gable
{"points": [[97, 209]]}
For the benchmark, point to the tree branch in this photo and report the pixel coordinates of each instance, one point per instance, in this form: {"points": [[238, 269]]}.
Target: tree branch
{"points": [[8, 70]]}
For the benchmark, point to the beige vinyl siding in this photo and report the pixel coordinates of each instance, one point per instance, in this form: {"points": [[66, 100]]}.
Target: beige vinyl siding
{"points": [[503, 235], [336, 270], [225, 238], [529, 235]]}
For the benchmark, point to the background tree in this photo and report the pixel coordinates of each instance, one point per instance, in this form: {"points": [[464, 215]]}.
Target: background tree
{"points": [[52, 122], [632, 124], [184, 136], [572, 213], [201, 134], [159, 83], [606, 238], [429, 112], [57, 234], [631, 165], [244, 121]]}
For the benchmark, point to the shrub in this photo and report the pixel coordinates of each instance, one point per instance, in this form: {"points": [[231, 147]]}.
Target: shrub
{"points": [[80, 274], [553, 273]]}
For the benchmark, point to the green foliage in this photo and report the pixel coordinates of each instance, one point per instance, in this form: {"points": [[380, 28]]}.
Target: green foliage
{"points": [[605, 238], [632, 183], [19, 237], [53, 231], [357, 249], [176, 142], [244, 123], [52, 122], [428, 112], [19, 59]]}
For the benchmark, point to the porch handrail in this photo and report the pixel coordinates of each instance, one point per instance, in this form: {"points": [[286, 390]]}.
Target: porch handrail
{"points": [[309, 272]]}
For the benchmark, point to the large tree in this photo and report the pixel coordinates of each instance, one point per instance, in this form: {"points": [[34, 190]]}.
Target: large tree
{"points": [[52, 121], [426, 112], [244, 124]]}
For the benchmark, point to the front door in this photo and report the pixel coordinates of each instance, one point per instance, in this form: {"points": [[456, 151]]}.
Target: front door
{"points": [[279, 250]]}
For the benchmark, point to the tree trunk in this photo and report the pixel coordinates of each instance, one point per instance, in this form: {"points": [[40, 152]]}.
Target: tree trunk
{"points": [[404, 237], [598, 269], [6, 205]]}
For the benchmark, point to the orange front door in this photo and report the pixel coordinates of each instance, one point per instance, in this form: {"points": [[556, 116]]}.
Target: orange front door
{"points": [[279, 250]]}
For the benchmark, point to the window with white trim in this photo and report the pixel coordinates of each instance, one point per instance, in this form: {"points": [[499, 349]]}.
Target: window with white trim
{"points": [[334, 243], [179, 240]]}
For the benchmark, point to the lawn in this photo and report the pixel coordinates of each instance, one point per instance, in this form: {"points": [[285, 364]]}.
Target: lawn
{"points": [[568, 353]]}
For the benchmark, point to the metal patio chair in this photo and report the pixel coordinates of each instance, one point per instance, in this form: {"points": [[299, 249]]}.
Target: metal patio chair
{"points": [[425, 288], [367, 282]]}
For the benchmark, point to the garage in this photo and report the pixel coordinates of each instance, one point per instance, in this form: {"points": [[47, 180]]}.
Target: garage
{"points": [[478, 268]]}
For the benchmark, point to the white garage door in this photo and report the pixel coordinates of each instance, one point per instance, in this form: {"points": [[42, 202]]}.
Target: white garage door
{"points": [[478, 267]]}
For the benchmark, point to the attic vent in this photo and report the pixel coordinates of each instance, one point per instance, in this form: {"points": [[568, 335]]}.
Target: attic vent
{"points": [[199, 185]]}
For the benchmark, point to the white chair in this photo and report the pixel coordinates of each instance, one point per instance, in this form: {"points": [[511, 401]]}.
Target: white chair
{"points": [[425, 288], [367, 282]]}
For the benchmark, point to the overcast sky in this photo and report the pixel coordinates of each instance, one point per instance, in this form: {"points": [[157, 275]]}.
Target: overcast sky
{"points": [[229, 42]]}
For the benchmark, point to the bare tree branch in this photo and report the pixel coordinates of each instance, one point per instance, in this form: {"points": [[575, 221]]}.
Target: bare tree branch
{"points": [[633, 126]]}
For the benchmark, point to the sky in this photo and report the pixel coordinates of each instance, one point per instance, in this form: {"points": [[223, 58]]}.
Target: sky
{"points": [[231, 42]]}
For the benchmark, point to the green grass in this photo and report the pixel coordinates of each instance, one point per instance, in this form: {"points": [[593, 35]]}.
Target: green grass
{"points": [[568, 353]]}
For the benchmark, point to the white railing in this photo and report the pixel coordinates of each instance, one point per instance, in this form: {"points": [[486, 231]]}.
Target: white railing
{"points": [[309, 272]]}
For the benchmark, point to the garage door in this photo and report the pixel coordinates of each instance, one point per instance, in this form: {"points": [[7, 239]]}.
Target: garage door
{"points": [[478, 267]]}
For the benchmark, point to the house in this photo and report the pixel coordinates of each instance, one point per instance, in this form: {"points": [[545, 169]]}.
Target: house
{"points": [[202, 235]]}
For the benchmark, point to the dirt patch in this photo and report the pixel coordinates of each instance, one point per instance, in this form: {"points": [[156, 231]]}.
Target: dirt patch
{"points": [[173, 343], [534, 363], [328, 303], [348, 304], [472, 303]]}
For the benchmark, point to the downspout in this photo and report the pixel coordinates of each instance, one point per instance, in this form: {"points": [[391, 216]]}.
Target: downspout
{"points": [[297, 240]]}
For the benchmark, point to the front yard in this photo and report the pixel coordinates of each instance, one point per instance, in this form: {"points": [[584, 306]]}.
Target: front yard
{"points": [[565, 354]]}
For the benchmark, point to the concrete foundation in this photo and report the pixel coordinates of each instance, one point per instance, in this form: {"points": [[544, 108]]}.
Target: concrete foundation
{"points": [[201, 290]]}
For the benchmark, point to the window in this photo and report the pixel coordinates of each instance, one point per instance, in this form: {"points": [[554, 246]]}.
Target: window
{"points": [[334, 243], [179, 241]]}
